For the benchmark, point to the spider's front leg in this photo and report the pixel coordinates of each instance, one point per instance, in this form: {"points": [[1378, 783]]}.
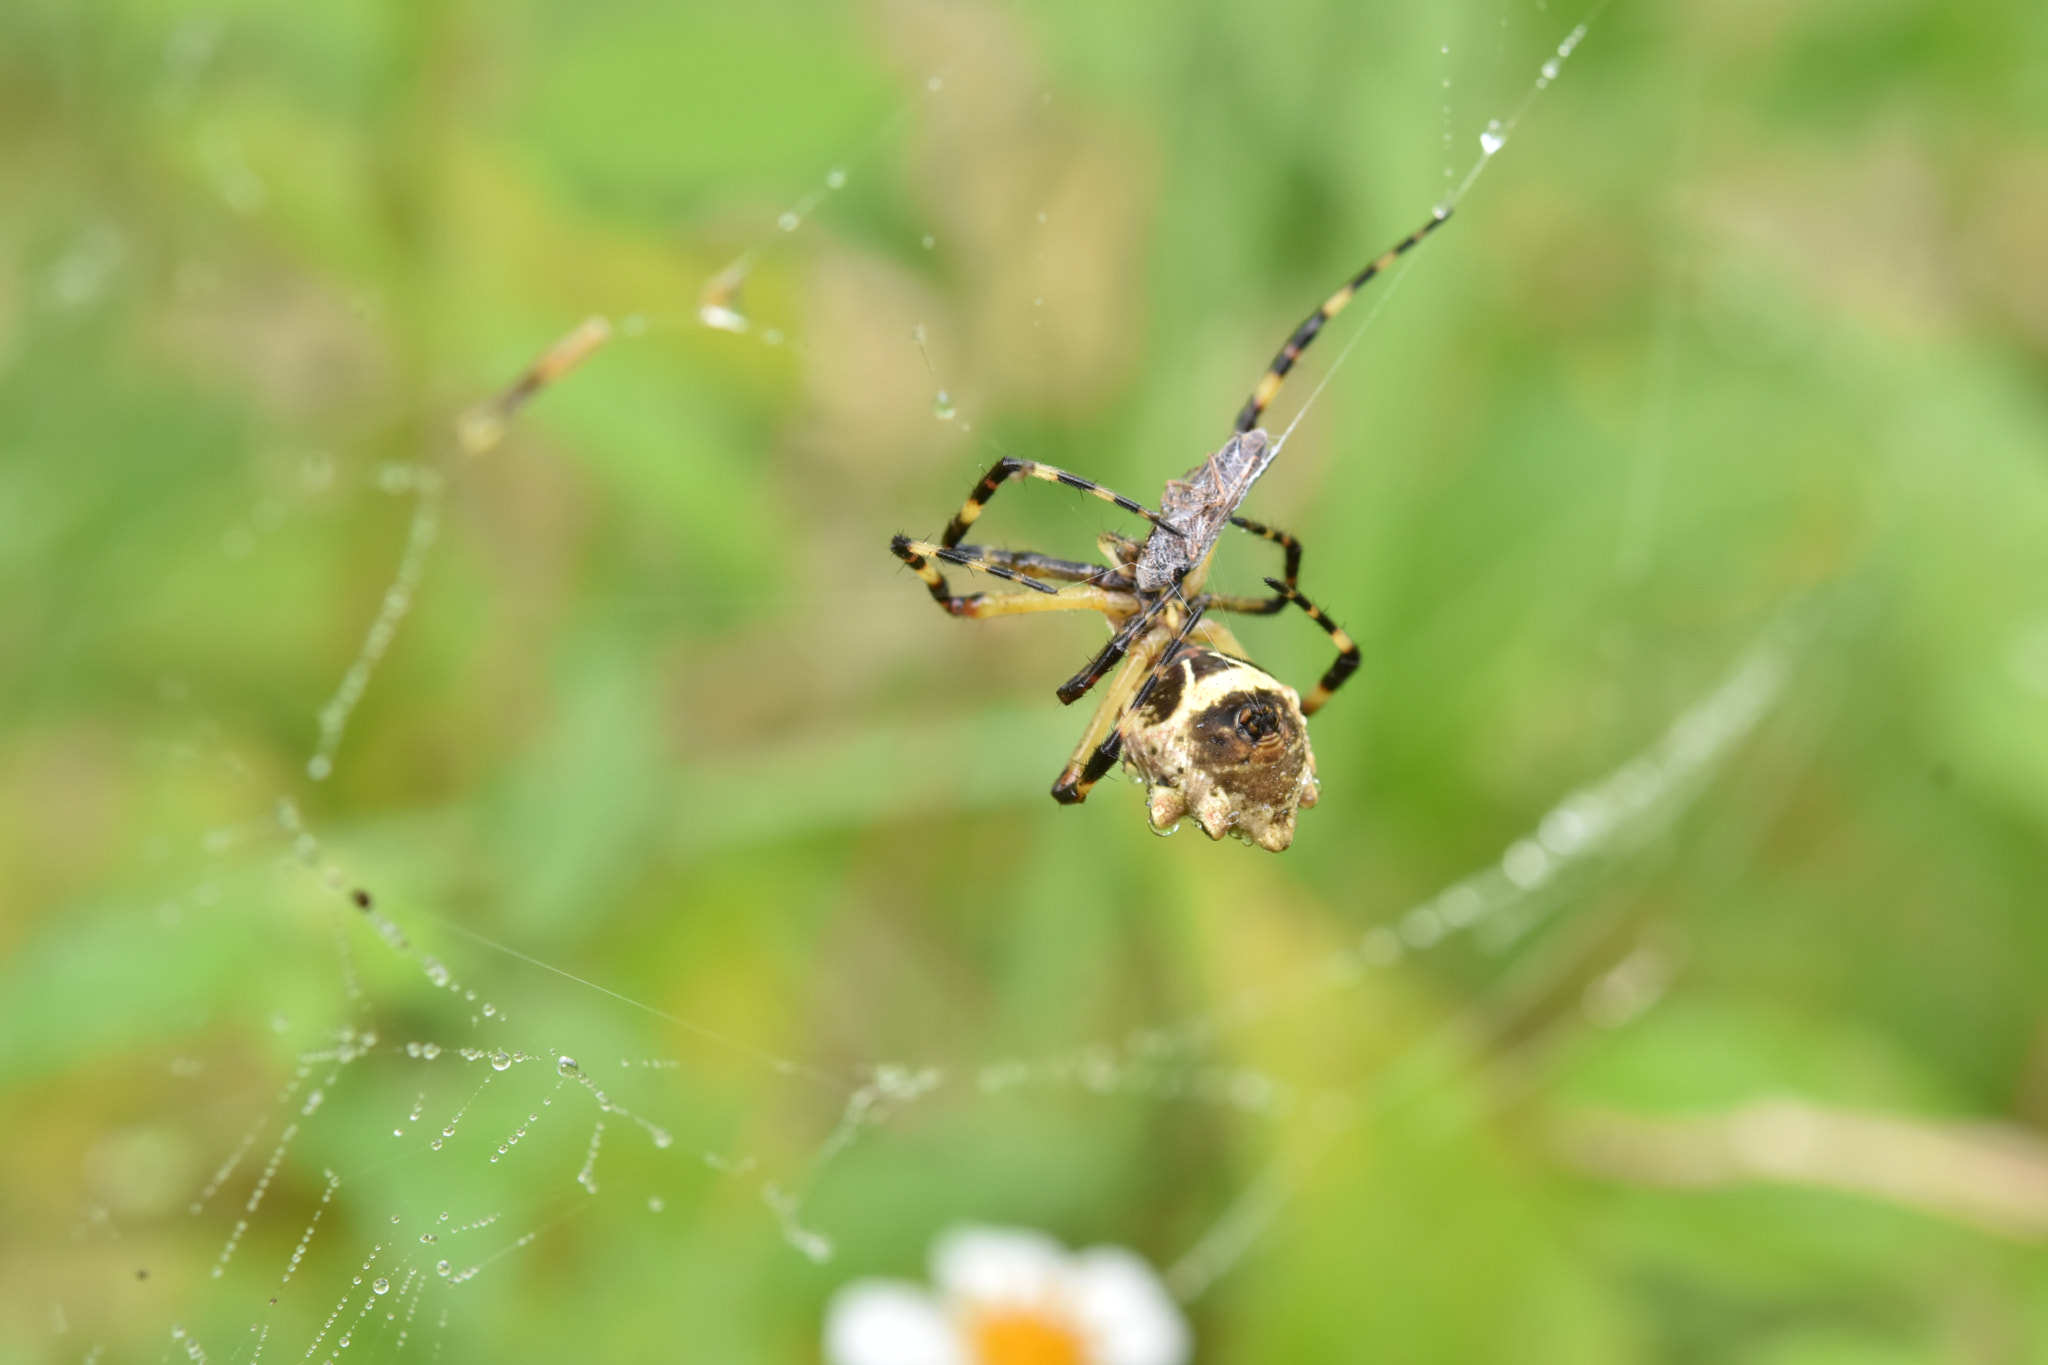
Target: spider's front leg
{"points": [[1097, 752], [1019, 567], [1010, 467]]}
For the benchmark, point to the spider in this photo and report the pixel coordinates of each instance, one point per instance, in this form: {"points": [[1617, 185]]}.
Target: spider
{"points": [[1210, 733]]}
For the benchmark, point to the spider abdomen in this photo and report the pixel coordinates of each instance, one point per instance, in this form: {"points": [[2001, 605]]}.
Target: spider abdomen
{"points": [[1222, 740]]}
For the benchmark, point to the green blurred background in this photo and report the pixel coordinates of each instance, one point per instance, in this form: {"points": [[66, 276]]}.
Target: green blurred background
{"points": [[1742, 337]]}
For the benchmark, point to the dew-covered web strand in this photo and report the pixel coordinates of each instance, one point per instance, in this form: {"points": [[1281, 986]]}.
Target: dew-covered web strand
{"points": [[719, 303], [1491, 140], [780, 1065], [477, 432], [862, 1108]]}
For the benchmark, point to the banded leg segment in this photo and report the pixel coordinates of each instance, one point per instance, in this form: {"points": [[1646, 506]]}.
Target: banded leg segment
{"points": [[1290, 547], [1097, 668], [1073, 787], [1035, 565], [982, 605], [1087, 764], [1276, 373], [1347, 649], [1010, 467], [919, 554]]}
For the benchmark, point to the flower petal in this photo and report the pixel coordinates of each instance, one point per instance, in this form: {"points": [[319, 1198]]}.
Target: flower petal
{"points": [[999, 1266], [888, 1322], [1125, 1311]]}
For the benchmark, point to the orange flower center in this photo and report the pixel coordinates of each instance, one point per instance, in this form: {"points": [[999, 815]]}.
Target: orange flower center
{"points": [[1019, 1336]]}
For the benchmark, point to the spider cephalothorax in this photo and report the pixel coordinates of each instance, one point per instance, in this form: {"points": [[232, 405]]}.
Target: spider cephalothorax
{"points": [[1224, 741], [1210, 734]]}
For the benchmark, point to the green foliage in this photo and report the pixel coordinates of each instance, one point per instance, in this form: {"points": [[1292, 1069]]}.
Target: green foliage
{"points": [[1745, 326]]}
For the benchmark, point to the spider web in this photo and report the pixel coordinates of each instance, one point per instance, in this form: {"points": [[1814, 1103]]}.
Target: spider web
{"points": [[417, 1112]]}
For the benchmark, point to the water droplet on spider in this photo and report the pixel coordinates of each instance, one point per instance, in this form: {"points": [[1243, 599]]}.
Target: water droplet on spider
{"points": [[835, 179], [942, 407], [380, 1285], [1166, 833], [501, 1060], [319, 767], [1493, 139], [442, 1267], [788, 222]]}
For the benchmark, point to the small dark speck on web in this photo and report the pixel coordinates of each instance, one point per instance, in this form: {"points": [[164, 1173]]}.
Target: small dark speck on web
{"points": [[142, 1274], [361, 898]]}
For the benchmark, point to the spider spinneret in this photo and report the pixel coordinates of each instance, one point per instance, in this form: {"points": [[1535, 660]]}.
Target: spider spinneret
{"points": [[1210, 733]]}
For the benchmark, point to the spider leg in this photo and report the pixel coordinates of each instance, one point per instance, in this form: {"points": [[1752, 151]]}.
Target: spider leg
{"points": [[1147, 663], [1266, 606], [1010, 467], [919, 554], [1097, 668], [982, 605], [1037, 565], [1086, 765], [1347, 649], [1269, 383]]}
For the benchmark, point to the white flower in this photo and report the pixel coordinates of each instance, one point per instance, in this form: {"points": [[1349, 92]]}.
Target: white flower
{"points": [[1005, 1296]]}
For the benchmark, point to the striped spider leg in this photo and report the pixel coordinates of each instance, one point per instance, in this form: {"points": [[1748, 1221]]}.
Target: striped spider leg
{"points": [[1211, 734]]}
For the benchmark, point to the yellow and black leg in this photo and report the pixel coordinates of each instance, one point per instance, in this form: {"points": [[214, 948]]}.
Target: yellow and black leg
{"points": [[1089, 766], [1347, 649], [1276, 373], [1018, 566], [1009, 467], [1290, 547], [1102, 742], [1097, 668], [1035, 565]]}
